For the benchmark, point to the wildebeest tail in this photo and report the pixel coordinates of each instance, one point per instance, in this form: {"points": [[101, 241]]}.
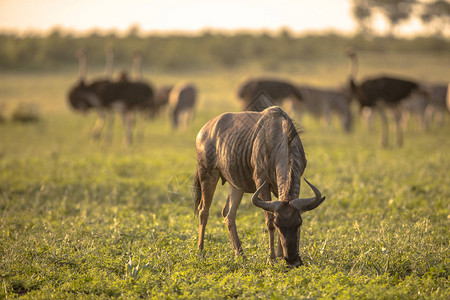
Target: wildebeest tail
{"points": [[197, 192]]}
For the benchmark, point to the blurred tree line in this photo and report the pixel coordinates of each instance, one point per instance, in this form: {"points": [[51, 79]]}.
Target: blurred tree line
{"points": [[434, 14], [57, 50]]}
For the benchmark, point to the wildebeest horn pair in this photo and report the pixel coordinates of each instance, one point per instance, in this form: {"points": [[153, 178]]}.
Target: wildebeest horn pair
{"points": [[302, 205]]}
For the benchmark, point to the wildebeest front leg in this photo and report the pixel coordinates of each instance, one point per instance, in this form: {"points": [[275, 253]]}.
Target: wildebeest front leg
{"points": [[279, 247], [229, 214], [265, 194], [271, 229]]}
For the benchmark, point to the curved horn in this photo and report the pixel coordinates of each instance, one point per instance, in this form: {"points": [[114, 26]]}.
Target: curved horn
{"points": [[266, 205], [308, 203]]}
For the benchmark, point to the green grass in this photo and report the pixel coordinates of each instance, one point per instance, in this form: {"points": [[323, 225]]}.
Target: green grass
{"points": [[73, 211]]}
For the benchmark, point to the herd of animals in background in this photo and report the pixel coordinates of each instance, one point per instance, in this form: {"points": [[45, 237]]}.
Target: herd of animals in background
{"points": [[257, 150], [319, 102], [128, 97], [381, 94], [378, 95]]}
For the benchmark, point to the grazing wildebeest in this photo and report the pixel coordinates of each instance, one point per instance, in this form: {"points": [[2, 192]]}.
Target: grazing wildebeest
{"points": [[323, 103], [255, 151], [182, 100], [277, 89], [427, 108], [415, 105], [161, 99], [381, 93], [437, 104]]}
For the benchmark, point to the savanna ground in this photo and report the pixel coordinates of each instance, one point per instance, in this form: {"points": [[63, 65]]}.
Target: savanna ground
{"points": [[86, 219]]}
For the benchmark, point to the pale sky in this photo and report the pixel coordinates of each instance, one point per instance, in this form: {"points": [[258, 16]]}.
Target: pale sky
{"points": [[175, 15]]}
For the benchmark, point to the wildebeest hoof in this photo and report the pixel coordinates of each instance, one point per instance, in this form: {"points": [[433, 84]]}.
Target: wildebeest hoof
{"points": [[295, 264], [201, 253]]}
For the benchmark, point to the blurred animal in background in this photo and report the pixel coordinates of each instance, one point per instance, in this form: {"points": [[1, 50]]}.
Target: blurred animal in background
{"points": [[80, 96], [2, 112], [107, 96], [428, 109], [382, 93], [278, 90], [260, 153], [437, 109], [127, 97], [161, 99], [414, 106], [448, 97], [324, 103], [96, 86], [182, 100], [85, 96]]}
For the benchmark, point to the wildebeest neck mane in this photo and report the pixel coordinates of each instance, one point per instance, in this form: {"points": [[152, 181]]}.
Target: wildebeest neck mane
{"points": [[288, 143]]}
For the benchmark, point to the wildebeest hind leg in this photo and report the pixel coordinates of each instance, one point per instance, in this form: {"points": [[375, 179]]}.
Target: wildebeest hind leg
{"points": [[233, 201], [208, 183]]}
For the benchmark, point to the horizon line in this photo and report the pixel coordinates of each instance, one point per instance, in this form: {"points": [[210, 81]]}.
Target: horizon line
{"points": [[198, 32]]}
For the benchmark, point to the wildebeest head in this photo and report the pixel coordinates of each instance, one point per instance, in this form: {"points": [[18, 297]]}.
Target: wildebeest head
{"points": [[288, 220]]}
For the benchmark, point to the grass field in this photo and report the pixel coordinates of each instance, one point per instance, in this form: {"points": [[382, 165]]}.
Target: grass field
{"points": [[84, 219]]}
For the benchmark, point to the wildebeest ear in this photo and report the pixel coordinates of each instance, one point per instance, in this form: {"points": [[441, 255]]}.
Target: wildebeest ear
{"points": [[271, 206], [308, 203]]}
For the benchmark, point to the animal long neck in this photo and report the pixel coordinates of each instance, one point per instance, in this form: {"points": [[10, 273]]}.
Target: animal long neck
{"points": [[353, 73], [82, 66], [353, 66], [109, 66], [137, 66]]}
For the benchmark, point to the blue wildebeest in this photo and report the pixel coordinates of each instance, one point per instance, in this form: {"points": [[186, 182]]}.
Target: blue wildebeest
{"points": [[182, 100], [255, 151], [438, 102], [161, 99], [323, 103], [278, 90]]}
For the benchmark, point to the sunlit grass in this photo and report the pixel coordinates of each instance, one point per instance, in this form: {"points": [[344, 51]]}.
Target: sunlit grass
{"points": [[73, 210]]}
